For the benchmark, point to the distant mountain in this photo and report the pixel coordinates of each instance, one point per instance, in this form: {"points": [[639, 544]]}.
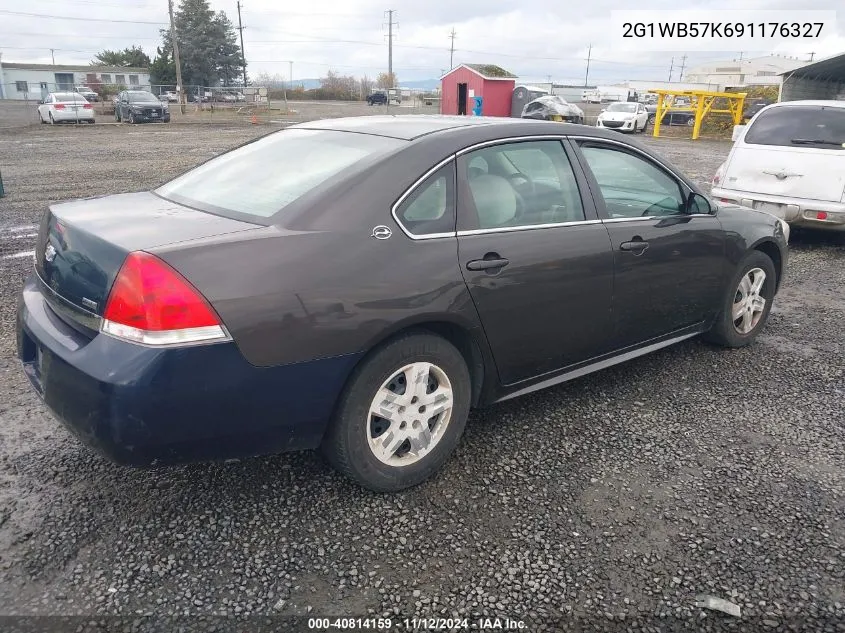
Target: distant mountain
{"points": [[420, 84]]}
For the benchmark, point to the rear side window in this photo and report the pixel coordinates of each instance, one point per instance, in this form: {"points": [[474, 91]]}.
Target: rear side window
{"points": [[796, 126], [261, 178], [430, 209]]}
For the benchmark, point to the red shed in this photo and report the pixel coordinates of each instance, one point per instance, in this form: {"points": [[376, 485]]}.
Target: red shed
{"points": [[494, 84]]}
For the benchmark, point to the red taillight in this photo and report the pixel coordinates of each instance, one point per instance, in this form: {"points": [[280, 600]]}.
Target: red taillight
{"points": [[821, 215], [151, 303], [59, 106], [87, 106]]}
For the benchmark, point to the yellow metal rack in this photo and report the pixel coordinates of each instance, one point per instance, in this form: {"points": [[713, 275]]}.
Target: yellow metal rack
{"points": [[701, 103]]}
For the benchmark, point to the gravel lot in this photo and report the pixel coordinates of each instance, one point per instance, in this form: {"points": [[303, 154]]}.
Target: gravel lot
{"points": [[608, 503]]}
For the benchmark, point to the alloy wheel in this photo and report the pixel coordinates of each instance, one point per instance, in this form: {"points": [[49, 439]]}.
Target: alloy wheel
{"points": [[749, 303], [409, 414]]}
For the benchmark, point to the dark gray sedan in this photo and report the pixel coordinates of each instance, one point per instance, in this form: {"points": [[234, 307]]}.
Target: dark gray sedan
{"points": [[360, 284]]}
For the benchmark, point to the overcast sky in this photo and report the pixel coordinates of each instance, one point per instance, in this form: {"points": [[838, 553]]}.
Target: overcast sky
{"points": [[533, 39]]}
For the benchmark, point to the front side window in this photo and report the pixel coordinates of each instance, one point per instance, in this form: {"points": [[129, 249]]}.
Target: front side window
{"points": [[259, 179], [799, 126], [631, 185], [525, 184], [430, 209]]}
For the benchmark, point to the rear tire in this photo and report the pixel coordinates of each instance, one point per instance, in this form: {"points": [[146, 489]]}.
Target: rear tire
{"points": [[52, 120], [739, 322], [355, 434], [131, 117]]}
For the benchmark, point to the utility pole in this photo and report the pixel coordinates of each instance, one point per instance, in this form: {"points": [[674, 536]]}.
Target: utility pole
{"points": [[176, 61], [241, 29], [811, 56], [452, 50], [390, 24], [53, 55], [587, 75], [683, 63], [671, 68]]}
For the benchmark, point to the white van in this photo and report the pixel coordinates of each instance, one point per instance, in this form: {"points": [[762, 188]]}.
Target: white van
{"points": [[789, 161]]}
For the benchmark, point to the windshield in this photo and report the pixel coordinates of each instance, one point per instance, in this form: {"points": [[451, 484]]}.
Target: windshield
{"points": [[822, 126], [622, 107], [141, 97], [261, 178]]}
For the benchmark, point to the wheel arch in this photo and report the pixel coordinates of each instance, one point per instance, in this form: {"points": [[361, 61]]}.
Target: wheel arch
{"points": [[769, 248], [467, 339]]}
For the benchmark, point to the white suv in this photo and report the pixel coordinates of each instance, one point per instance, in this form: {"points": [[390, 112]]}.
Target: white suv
{"points": [[789, 161]]}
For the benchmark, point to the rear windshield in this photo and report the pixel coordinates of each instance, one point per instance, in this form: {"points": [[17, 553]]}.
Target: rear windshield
{"points": [[261, 178], [69, 96], [795, 126]]}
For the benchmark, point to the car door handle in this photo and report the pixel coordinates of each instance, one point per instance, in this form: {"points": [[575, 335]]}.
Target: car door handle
{"points": [[636, 246], [487, 263]]}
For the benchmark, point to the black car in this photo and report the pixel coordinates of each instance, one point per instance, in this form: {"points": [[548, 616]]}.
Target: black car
{"points": [[671, 117], [139, 106], [377, 98], [358, 285], [753, 108]]}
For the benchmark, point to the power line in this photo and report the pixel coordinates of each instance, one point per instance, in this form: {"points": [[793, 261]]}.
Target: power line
{"points": [[80, 19]]}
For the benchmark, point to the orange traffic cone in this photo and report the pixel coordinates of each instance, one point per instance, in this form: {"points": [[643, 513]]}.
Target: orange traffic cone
{"points": [[254, 120]]}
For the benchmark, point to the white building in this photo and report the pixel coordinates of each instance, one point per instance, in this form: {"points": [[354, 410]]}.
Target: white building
{"points": [[35, 81], [754, 71]]}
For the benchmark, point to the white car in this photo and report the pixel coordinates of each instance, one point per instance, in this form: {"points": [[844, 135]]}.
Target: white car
{"points": [[65, 107], [624, 117], [789, 161]]}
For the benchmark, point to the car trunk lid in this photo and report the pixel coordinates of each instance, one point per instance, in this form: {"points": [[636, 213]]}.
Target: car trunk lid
{"points": [[82, 244], [798, 172]]}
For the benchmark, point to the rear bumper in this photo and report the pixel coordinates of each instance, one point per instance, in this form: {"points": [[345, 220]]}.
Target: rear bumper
{"points": [[84, 115], [815, 214], [144, 406]]}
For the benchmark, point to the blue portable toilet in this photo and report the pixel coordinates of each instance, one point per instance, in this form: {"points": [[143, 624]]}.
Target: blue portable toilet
{"points": [[476, 108]]}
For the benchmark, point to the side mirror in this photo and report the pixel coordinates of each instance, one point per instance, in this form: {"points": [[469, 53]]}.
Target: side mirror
{"points": [[739, 130], [696, 203]]}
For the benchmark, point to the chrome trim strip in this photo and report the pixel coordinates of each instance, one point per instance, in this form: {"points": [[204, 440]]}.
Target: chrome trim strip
{"points": [[513, 139], [63, 307], [527, 227], [411, 190], [599, 365], [637, 219]]}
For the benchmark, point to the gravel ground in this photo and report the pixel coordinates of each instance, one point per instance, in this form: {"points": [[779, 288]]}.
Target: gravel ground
{"points": [[608, 503]]}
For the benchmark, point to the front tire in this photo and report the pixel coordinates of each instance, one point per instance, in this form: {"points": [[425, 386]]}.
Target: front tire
{"points": [[747, 303], [52, 120], [401, 415], [131, 117]]}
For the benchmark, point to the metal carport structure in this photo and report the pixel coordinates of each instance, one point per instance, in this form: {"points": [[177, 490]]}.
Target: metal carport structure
{"points": [[823, 80]]}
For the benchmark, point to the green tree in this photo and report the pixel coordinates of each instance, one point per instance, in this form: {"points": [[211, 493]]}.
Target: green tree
{"points": [[133, 57], [229, 63], [163, 68], [208, 47]]}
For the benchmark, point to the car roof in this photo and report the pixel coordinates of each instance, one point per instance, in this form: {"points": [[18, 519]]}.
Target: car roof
{"points": [[405, 127], [816, 102], [414, 126]]}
